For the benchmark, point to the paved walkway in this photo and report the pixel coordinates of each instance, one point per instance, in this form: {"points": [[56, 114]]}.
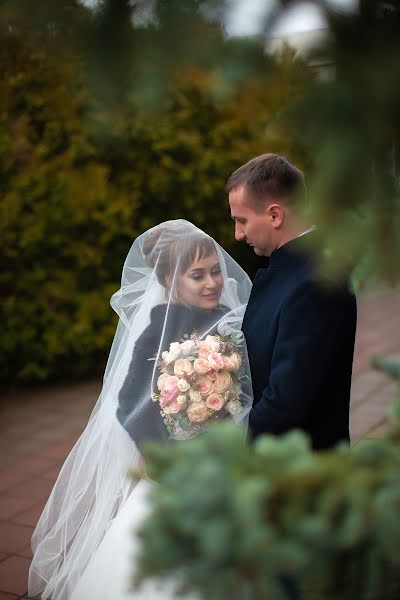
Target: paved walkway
{"points": [[39, 427]]}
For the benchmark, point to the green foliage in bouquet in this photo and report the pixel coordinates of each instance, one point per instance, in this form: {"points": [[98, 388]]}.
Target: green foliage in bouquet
{"points": [[229, 518]]}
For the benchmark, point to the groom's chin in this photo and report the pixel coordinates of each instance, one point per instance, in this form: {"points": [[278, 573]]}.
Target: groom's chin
{"points": [[258, 252]]}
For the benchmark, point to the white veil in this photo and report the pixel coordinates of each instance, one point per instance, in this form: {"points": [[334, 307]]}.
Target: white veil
{"points": [[93, 483]]}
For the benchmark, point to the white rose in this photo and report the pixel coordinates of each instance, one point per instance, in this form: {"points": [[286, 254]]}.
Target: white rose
{"points": [[195, 396], [213, 343], [181, 399], [233, 407], [175, 350], [188, 347], [183, 385], [168, 358]]}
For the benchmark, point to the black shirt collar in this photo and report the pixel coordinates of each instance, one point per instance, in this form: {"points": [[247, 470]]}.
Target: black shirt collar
{"points": [[293, 252]]}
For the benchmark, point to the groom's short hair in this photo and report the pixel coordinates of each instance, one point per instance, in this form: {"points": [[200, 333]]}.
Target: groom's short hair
{"points": [[268, 175]]}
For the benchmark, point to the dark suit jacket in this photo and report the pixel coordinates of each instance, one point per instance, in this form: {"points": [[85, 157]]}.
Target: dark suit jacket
{"points": [[142, 420], [300, 341]]}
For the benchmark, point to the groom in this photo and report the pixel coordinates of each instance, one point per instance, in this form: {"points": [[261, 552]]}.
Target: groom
{"points": [[299, 333]]}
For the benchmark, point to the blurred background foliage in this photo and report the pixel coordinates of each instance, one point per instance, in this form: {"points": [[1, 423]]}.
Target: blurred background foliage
{"points": [[120, 114]]}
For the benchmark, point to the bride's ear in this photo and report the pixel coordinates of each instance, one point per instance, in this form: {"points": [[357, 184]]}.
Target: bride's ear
{"points": [[168, 281]]}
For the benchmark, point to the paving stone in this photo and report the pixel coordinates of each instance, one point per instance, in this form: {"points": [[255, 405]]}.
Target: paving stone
{"points": [[5, 596], [14, 538], [372, 412], [52, 473], [11, 506], [37, 488], [366, 385], [61, 450], [26, 552], [9, 478], [14, 575], [33, 464], [29, 517]]}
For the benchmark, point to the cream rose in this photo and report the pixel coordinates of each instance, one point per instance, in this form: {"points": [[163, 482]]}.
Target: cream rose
{"points": [[215, 360], [236, 361], [228, 364], [188, 347], [205, 386], [201, 365], [198, 412], [194, 395], [213, 343], [215, 402], [181, 399], [182, 367], [183, 385], [222, 382]]}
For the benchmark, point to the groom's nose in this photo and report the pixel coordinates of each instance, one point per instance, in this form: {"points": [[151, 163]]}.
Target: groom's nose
{"points": [[239, 233]]}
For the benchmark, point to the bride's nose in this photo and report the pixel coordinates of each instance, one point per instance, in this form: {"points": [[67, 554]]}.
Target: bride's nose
{"points": [[210, 282]]}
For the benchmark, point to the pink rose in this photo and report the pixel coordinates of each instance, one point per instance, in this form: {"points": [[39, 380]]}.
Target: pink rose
{"points": [[205, 386], [215, 402], [201, 365], [176, 407], [198, 412], [183, 367], [212, 374], [161, 381], [216, 361], [203, 349], [171, 390], [222, 382]]}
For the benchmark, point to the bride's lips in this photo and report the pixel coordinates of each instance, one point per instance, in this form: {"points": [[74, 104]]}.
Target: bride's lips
{"points": [[211, 296]]}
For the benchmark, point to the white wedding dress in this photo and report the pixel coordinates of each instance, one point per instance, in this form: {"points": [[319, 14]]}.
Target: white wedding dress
{"points": [[109, 574], [86, 543]]}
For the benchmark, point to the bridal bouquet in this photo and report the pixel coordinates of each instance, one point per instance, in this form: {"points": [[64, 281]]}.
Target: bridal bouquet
{"points": [[199, 382]]}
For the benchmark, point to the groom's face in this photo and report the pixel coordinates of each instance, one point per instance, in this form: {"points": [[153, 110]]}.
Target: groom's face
{"points": [[253, 224]]}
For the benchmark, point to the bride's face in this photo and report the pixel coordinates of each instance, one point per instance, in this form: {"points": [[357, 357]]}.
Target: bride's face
{"points": [[201, 284]]}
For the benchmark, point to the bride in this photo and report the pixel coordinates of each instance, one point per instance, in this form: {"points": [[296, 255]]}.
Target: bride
{"points": [[179, 290]]}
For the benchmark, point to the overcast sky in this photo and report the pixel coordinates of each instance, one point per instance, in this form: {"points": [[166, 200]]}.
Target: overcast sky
{"points": [[246, 16]]}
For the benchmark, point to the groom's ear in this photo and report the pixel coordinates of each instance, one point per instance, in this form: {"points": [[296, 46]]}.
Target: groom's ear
{"points": [[275, 212]]}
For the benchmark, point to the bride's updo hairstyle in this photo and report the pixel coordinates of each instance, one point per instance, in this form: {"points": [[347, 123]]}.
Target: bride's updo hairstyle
{"points": [[172, 250]]}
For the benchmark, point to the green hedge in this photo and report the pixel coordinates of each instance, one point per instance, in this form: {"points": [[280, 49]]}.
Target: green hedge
{"points": [[77, 188]]}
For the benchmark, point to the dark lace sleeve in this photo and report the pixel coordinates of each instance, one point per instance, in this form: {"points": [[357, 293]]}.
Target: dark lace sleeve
{"points": [[143, 422]]}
